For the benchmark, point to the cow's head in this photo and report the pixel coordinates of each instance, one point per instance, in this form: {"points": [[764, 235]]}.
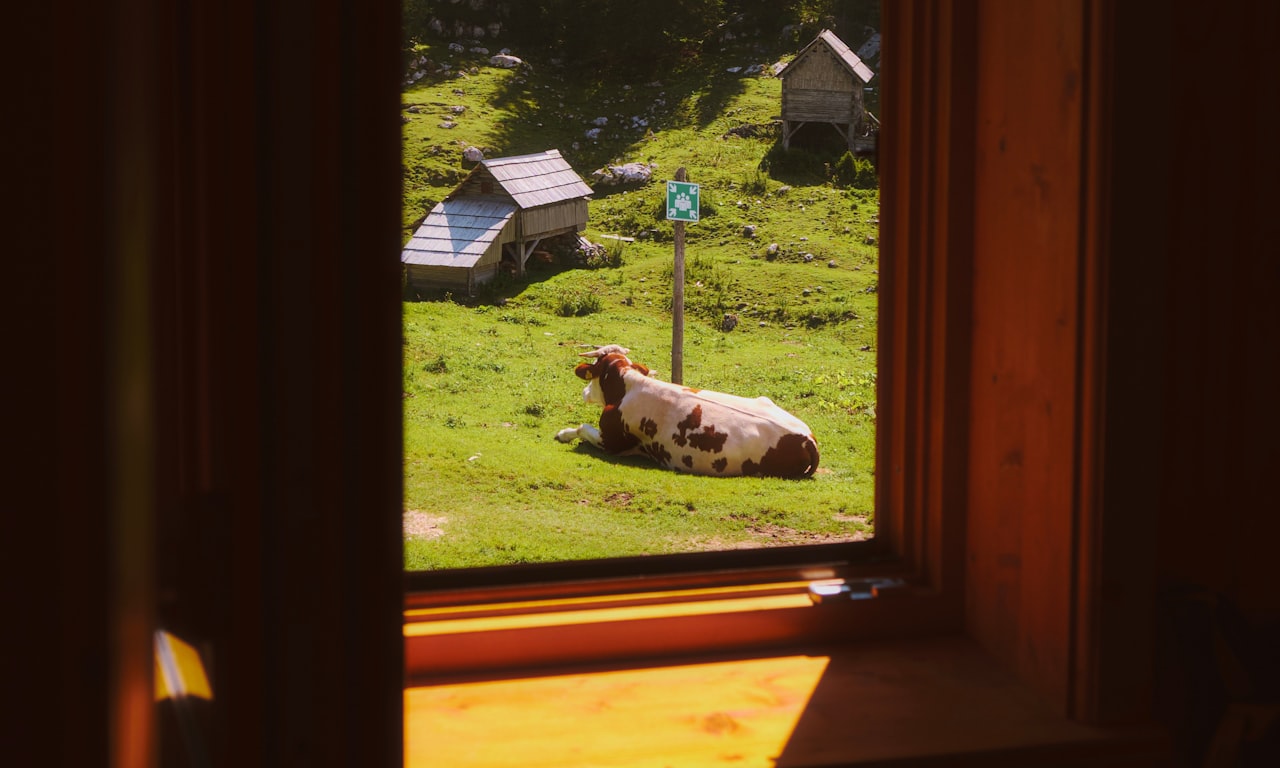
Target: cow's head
{"points": [[605, 375]]}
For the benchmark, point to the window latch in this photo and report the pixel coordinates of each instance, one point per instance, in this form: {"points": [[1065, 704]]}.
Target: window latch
{"points": [[844, 590]]}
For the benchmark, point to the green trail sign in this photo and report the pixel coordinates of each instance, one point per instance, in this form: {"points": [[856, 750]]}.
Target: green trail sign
{"points": [[682, 201]]}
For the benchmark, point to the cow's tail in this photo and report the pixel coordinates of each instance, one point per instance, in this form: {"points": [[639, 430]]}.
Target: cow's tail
{"points": [[811, 445]]}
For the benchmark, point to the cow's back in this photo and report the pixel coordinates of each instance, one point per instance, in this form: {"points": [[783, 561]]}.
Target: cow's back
{"points": [[714, 433]]}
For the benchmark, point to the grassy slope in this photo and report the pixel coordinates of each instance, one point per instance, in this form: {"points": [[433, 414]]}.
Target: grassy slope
{"points": [[487, 386]]}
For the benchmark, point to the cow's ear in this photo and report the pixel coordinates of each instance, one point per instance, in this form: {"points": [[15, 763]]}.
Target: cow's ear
{"points": [[641, 368], [584, 371]]}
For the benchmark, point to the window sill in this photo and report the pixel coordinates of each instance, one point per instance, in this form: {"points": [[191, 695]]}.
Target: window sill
{"points": [[920, 702], [455, 642]]}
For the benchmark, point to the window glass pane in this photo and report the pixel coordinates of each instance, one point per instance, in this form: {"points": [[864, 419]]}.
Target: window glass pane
{"points": [[538, 142]]}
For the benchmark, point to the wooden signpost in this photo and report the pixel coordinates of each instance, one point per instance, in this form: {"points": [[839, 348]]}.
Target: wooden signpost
{"points": [[682, 206]]}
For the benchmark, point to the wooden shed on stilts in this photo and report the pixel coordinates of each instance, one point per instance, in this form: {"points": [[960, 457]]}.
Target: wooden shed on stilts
{"points": [[823, 84]]}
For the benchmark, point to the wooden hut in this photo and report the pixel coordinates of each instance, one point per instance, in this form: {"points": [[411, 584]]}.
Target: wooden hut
{"points": [[499, 213], [823, 84]]}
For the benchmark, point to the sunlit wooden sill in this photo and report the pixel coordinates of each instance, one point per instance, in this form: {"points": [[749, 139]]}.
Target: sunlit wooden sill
{"points": [[771, 700], [937, 701]]}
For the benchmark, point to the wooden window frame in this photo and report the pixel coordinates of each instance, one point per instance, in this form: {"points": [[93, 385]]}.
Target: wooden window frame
{"points": [[925, 292], [273, 440]]}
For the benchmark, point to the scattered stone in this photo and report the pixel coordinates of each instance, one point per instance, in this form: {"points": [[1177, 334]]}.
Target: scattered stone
{"points": [[592, 133], [627, 173], [784, 189], [473, 155], [870, 240], [808, 257], [807, 292], [480, 50], [412, 108], [832, 264], [600, 122], [457, 109], [747, 131], [456, 47], [506, 61], [772, 249], [448, 124], [749, 230]]}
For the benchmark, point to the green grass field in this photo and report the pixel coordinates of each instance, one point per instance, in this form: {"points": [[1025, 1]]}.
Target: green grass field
{"points": [[488, 381]]}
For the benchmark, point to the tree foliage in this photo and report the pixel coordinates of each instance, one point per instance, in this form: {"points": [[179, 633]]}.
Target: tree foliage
{"points": [[635, 36]]}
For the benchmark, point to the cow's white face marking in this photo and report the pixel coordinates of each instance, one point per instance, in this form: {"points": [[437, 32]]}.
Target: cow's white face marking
{"points": [[592, 394]]}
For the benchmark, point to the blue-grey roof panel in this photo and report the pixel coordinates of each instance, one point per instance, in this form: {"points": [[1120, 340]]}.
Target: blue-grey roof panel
{"points": [[457, 232], [537, 179]]}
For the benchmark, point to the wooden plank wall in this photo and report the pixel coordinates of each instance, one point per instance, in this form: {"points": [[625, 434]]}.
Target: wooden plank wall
{"points": [[557, 217], [820, 106], [820, 89], [820, 70], [1023, 388]]}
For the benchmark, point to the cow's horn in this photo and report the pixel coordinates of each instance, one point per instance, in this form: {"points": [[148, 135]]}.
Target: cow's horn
{"points": [[605, 350]]}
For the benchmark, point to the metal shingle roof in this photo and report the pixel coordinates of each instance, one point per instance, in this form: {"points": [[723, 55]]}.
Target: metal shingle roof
{"points": [[457, 232], [537, 179], [841, 50]]}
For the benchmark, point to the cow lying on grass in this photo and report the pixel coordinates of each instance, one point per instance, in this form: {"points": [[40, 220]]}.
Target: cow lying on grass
{"points": [[691, 430]]}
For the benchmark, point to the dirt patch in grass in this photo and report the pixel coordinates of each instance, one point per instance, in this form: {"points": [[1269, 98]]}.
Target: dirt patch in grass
{"points": [[420, 525], [621, 499], [770, 535], [780, 534]]}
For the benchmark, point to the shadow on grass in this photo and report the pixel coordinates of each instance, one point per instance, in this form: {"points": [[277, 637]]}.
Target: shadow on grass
{"points": [[636, 460], [557, 107], [496, 292]]}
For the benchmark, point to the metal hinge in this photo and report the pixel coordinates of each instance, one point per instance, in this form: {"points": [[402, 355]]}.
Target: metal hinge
{"points": [[843, 590]]}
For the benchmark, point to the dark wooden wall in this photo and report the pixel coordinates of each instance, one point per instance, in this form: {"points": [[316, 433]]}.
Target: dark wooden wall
{"points": [[1124, 369], [211, 386], [1135, 243]]}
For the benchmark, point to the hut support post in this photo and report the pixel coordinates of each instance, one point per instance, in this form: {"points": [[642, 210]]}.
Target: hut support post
{"points": [[525, 253]]}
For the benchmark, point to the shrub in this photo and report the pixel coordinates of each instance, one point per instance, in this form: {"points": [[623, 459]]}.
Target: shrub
{"points": [[577, 303], [857, 172], [756, 183], [439, 365]]}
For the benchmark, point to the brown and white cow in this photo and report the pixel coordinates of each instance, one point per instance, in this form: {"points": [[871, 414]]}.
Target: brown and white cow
{"points": [[691, 430]]}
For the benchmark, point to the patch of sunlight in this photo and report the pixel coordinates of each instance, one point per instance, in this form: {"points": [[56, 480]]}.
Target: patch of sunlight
{"points": [[740, 712]]}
